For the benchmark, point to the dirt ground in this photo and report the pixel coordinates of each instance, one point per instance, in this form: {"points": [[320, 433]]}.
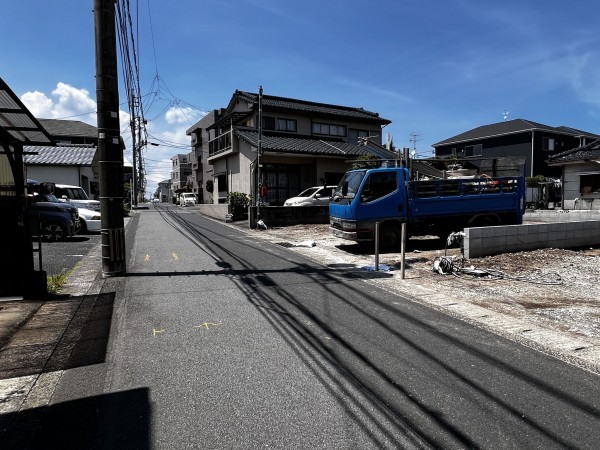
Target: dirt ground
{"points": [[548, 299]]}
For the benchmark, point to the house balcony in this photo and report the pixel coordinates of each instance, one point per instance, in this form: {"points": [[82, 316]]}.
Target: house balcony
{"points": [[221, 144]]}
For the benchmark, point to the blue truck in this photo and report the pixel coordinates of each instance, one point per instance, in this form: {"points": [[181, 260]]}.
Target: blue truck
{"points": [[436, 207]]}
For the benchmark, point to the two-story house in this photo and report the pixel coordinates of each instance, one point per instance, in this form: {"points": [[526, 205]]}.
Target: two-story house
{"points": [[302, 144], [528, 142]]}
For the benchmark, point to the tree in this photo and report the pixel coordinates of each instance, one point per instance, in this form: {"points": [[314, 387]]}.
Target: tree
{"points": [[239, 204], [366, 161]]}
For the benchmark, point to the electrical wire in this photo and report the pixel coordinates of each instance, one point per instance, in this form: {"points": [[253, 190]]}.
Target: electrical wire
{"points": [[445, 265]]}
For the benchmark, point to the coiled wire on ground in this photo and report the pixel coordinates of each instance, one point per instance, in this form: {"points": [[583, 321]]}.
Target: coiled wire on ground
{"points": [[445, 265]]}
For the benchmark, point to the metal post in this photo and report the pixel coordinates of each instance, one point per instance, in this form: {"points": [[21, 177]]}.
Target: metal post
{"points": [[377, 246], [110, 155], [403, 251]]}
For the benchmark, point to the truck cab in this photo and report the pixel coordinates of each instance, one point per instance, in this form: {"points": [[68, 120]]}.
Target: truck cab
{"points": [[365, 197]]}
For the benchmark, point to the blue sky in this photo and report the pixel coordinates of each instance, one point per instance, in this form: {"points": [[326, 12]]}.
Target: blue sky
{"points": [[435, 69]]}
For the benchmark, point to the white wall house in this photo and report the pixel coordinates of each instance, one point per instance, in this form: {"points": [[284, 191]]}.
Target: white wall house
{"points": [[580, 176]]}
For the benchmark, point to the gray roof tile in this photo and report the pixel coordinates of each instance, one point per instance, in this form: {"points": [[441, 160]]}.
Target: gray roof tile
{"points": [[312, 107], [306, 146], [56, 127], [509, 127], [586, 152], [61, 155]]}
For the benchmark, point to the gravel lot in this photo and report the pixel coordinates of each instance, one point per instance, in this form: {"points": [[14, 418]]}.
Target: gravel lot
{"points": [[548, 299]]}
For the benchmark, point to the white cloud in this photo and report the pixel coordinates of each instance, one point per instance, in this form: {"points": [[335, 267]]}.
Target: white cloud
{"points": [[39, 105], [178, 115], [156, 173], [69, 102]]}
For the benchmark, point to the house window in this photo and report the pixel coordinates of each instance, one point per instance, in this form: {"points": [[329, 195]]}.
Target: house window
{"points": [[286, 125], [328, 129], [548, 144], [268, 122], [473, 150], [589, 183], [354, 134]]}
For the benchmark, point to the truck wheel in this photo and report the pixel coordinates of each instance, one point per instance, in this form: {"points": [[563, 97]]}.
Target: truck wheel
{"points": [[53, 232], [389, 237]]}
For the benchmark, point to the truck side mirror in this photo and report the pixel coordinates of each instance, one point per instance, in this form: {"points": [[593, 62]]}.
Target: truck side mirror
{"points": [[344, 189]]}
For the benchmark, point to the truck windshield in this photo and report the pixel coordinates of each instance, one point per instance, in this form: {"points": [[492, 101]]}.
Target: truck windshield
{"points": [[349, 184]]}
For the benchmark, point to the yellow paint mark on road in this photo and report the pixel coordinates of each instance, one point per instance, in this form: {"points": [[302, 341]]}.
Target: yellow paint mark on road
{"points": [[147, 258], [155, 331], [175, 257], [207, 325]]}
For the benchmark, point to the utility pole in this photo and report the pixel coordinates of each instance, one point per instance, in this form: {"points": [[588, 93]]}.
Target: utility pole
{"points": [[413, 139], [134, 180], [110, 155]]}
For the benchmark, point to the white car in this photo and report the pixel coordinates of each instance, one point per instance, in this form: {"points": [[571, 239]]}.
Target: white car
{"points": [[75, 195], [314, 196], [187, 199], [89, 221]]}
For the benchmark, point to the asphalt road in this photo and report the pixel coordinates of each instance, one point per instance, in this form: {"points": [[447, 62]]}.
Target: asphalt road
{"points": [[61, 256], [220, 341]]}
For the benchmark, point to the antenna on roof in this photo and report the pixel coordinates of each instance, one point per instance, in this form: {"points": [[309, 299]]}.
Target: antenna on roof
{"points": [[505, 115]]}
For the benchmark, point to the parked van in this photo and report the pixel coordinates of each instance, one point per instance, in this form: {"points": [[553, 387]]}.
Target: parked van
{"points": [[75, 195]]}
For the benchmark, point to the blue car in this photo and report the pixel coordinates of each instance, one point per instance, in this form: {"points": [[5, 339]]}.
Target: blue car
{"points": [[54, 219]]}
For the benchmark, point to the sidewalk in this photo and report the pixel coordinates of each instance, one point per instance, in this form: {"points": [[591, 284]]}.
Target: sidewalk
{"points": [[38, 337]]}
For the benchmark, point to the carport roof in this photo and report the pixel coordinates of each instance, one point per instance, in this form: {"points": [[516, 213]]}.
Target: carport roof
{"points": [[17, 121]]}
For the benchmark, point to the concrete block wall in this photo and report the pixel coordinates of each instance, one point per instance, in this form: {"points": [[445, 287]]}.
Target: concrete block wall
{"points": [[216, 211], [560, 215], [486, 241]]}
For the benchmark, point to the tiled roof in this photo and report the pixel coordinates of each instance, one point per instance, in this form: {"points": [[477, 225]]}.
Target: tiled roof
{"points": [[56, 127], [310, 146], [61, 155], [509, 127], [587, 152], [312, 107]]}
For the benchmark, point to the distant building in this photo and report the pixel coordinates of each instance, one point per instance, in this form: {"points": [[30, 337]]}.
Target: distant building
{"points": [[181, 172]]}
